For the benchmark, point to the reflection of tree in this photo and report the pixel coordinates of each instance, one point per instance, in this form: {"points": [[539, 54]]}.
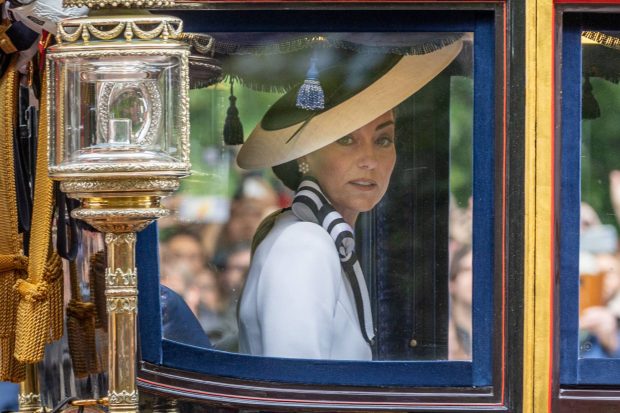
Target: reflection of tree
{"points": [[461, 131], [130, 104], [600, 148], [214, 172], [600, 125]]}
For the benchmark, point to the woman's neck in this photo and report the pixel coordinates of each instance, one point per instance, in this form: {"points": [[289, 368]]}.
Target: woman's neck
{"points": [[350, 217]]}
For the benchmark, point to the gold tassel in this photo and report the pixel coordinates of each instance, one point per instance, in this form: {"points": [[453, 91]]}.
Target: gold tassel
{"points": [[96, 278], [38, 319], [40, 312], [13, 263], [81, 329], [33, 321], [10, 269], [53, 275]]}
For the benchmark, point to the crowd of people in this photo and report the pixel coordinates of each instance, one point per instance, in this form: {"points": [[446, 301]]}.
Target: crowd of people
{"points": [[207, 263], [599, 291], [599, 268], [460, 281]]}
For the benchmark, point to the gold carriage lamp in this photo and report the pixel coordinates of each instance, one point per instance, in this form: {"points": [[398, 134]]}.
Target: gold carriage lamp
{"points": [[119, 134], [119, 141]]}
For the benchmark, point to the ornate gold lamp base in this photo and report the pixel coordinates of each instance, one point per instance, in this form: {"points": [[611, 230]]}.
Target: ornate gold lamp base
{"points": [[120, 218], [120, 214]]}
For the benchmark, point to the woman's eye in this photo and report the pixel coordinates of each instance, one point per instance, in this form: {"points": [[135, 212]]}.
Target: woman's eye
{"points": [[385, 141], [345, 140]]}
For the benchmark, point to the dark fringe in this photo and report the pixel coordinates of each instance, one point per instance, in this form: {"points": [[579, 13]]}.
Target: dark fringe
{"points": [[419, 49], [199, 43], [294, 45], [207, 45], [288, 46], [258, 86]]}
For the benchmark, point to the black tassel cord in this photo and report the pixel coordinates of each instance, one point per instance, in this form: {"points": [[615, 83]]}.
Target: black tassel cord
{"points": [[233, 129]]}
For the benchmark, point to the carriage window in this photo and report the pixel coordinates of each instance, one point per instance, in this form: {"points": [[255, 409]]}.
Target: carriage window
{"points": [[589, 202], [599, 265], [392, 156], [413, 245]]}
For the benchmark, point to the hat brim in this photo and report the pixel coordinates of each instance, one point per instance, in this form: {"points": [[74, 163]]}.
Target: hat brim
{"points": [[266, 148]]}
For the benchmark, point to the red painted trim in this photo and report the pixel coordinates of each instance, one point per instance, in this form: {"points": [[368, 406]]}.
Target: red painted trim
{"points": [[306, 402], [504, 197], [586, 1], [339, 1], [552, 223]]}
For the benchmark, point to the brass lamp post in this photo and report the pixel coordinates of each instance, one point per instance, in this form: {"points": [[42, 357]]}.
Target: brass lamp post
{"points": [[29, 398], [119, 141]]}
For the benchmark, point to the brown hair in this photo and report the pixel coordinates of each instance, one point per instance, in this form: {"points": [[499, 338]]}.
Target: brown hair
{"points": [[264, 228], [289, 174]]}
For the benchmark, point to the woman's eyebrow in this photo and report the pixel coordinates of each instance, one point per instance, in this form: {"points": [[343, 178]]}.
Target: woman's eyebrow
{"points": [[384, 125]]}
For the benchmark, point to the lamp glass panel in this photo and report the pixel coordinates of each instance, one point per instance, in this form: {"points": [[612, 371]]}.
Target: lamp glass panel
{"points": [[116, 110]]}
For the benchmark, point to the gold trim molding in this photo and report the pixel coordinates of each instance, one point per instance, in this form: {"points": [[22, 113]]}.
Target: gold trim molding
{"points": [[118, 4], [122, 304], [121, 213], [129, 238], [539, 187], [120, 278], [170, 168], [126, 185], [29, 399], [123, 397], [119, 220], [149, 27]]}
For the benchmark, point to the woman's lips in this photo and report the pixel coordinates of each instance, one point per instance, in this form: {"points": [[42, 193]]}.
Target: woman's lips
{"points": [[363, 184]]}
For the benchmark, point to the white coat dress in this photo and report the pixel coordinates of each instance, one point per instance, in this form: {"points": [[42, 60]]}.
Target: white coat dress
{"points": [[297, 302]]}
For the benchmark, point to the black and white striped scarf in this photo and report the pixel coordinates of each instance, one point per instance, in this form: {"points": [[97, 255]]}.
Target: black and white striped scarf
{"points": [[311, 205]]}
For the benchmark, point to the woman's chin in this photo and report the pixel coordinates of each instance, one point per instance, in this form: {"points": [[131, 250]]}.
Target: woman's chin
{"points": [[356, 201], [362, 205]]}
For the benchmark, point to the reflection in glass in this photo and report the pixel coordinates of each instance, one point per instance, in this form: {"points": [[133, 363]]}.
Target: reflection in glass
{"points": [[120, 118], [414, 247], [599, 290]]}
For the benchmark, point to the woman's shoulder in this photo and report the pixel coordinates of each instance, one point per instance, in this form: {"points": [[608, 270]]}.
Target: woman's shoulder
{"points": [[291, 233], [297, 252]]}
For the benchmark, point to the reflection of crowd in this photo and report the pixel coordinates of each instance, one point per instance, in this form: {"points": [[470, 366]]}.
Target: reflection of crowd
{"points": [[460, 288], [599, 265], [207, 264], [599, 305], [460, 282]]}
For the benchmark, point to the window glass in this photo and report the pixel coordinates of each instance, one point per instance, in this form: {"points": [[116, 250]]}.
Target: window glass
{"points": [[412, 244], [599, 292]]}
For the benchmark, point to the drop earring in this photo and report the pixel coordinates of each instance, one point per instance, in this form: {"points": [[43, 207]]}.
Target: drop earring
{"points": [[304, 168]]}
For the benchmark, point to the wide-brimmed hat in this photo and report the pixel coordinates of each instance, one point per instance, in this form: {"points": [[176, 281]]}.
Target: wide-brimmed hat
{"points": [[358, 88]]}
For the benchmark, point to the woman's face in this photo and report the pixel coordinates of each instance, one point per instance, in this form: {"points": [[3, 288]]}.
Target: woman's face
{"points": [[355, 170]]}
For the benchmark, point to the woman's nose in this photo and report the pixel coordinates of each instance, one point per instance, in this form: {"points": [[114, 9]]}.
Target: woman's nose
{"points": [[367, 157]]}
